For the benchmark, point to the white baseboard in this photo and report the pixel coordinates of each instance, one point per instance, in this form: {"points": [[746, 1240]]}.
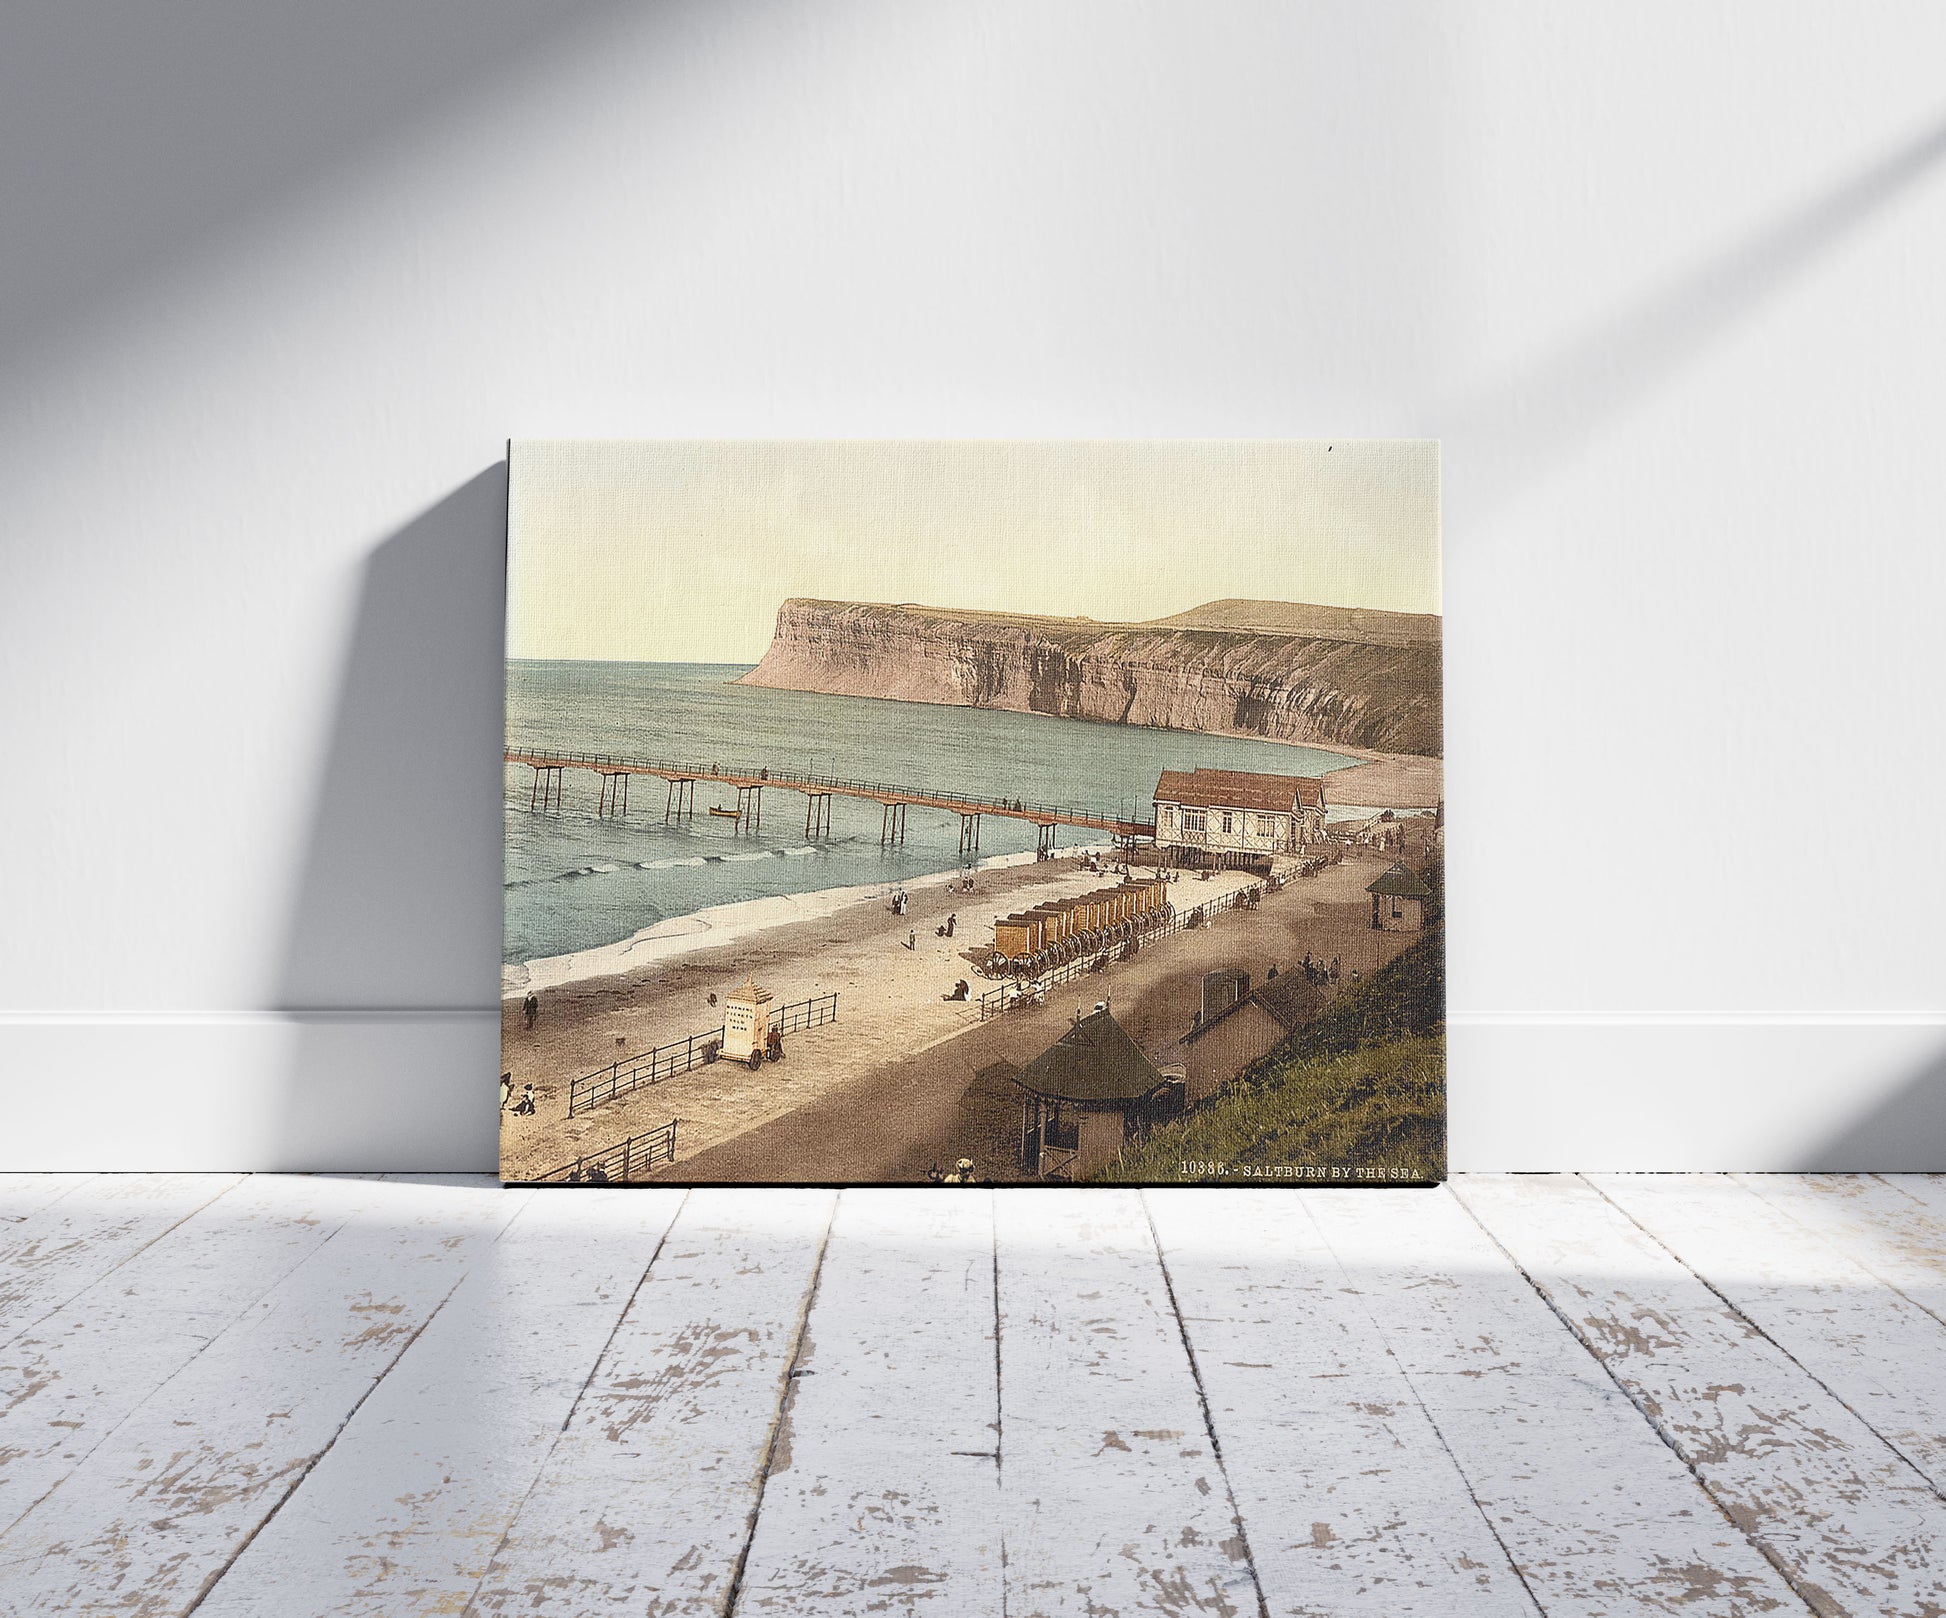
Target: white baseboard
{"points": [[250, 1090], [416, 1090], [1811, 1092]]}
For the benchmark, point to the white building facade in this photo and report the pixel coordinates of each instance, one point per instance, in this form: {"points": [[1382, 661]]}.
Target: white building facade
{"points": [[1235, 811]]}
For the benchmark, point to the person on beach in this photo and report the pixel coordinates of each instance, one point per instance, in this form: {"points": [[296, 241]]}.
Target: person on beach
{"points": [[506, 1090], [526, 1106], [912, 940], [530, 1010], [952, 922]]}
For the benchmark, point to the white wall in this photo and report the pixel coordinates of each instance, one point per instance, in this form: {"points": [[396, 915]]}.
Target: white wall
{"points": [[280, 280]]}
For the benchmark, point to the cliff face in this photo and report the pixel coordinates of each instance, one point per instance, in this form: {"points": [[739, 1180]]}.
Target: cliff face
{"points": [[1244, 682]]}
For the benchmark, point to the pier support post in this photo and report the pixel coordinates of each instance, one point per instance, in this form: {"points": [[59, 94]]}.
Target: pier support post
{"points": [[750, 807], [892, 827], [969, 834], [547, 786], [681, 802], [1044, 842], [817, 814], [614, 793]]}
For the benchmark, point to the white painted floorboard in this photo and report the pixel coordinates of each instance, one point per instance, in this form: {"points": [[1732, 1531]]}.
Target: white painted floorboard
{"points": [[883, 1493], [1597, 1513], [1839, 1511], [407, 1508], [1603, 1396], [1350, 1500], [1113, 1498]]}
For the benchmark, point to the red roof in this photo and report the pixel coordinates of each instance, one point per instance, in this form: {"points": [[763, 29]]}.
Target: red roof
{"points": [[1239, 789]]}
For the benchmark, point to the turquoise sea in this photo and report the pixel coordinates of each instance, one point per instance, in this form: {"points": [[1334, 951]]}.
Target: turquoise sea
{"points": [[576, 881]]}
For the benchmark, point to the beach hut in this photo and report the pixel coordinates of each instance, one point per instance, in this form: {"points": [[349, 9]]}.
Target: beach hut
{"points": [[1222, 1045], [1017, 936], [1399, 900], [1026, 933], [1085, 1095]]}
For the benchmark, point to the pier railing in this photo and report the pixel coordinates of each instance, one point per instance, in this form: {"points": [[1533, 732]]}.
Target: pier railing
{"points": [[652, 1066], [806, 781], [622, 1161]]}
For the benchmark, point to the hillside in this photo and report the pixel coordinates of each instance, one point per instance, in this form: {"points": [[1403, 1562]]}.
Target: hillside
{"points": [[1293, 684], [1361, 1088], [1318, 623]]}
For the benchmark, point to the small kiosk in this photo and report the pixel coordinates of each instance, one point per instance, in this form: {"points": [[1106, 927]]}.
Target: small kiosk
{"points": [[1399, 900], [1085, 1095], [746, 1023]]}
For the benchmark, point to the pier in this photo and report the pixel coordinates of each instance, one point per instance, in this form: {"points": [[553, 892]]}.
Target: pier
{"points": [[894, 798]]}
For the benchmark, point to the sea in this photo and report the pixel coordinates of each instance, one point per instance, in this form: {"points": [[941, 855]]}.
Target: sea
{"points": [[576, 880]]}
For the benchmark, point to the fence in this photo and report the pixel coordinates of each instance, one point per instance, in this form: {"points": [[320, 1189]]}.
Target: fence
{"points": [[1007, 995], [622, 1161], [633, 1073]]}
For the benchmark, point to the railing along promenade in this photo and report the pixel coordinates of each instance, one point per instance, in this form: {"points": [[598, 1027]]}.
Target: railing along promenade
{"points": [[885, 792], [622, 1161], [648, 1067]]}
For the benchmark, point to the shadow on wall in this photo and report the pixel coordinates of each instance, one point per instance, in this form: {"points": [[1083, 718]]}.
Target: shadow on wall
{"points": [[134, 146], [391, 963], [1905, 1133], [1549, 410]]}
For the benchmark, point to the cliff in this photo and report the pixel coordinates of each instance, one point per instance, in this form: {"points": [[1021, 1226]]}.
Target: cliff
{"points": [[1231, 668]]}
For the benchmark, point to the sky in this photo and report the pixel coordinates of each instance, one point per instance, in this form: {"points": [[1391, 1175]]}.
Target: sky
{"points": [[681, 551]]}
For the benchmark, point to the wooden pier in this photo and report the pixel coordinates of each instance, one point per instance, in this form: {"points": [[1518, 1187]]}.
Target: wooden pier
{"points": [[818, 790]]}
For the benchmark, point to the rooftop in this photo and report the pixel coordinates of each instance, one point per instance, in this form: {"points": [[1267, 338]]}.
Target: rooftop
{"points": [[1289, 998], [1095, 1060], [1239, 789], [1400, 883]]}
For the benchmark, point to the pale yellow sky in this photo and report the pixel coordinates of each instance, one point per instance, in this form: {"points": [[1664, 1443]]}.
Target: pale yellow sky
{"points": [[682, 551]]}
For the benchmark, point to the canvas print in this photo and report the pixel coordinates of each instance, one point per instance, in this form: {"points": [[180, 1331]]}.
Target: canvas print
{"points": [[974, 813]]}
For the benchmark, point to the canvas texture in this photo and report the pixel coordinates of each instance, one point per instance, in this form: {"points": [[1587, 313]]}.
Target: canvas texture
{"points": [[974, 813]]}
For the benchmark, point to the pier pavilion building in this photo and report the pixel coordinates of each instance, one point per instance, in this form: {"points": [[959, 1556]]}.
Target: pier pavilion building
{"points": [[1237, 812]]}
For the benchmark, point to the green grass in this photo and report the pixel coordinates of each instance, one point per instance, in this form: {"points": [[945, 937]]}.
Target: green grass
{"points": [[1359, 1094], [1407, 997]]}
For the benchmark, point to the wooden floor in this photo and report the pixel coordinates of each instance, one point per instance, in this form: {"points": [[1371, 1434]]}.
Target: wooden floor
{"points": [[1561, 1395]]}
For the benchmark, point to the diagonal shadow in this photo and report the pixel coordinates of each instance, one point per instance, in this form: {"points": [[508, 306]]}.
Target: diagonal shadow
{"points": [[1522, 427], [133, 136], [397, 905], [1903, 1135]]}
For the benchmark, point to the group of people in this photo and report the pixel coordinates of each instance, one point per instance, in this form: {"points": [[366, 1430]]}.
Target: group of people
{"points": [[1318, 972], [899, 901]]}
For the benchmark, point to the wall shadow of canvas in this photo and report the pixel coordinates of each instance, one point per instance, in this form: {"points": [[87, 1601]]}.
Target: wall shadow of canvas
{"points": [[391, 958]]}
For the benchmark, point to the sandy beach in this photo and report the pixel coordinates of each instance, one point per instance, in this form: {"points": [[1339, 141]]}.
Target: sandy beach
{"points": [[904, 1116], [1387, 780], [891, 1000], [893, 1017]]}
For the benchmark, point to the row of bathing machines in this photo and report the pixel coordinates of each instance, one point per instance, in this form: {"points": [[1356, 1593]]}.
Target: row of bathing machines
{"points": [[1064, 928]]}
